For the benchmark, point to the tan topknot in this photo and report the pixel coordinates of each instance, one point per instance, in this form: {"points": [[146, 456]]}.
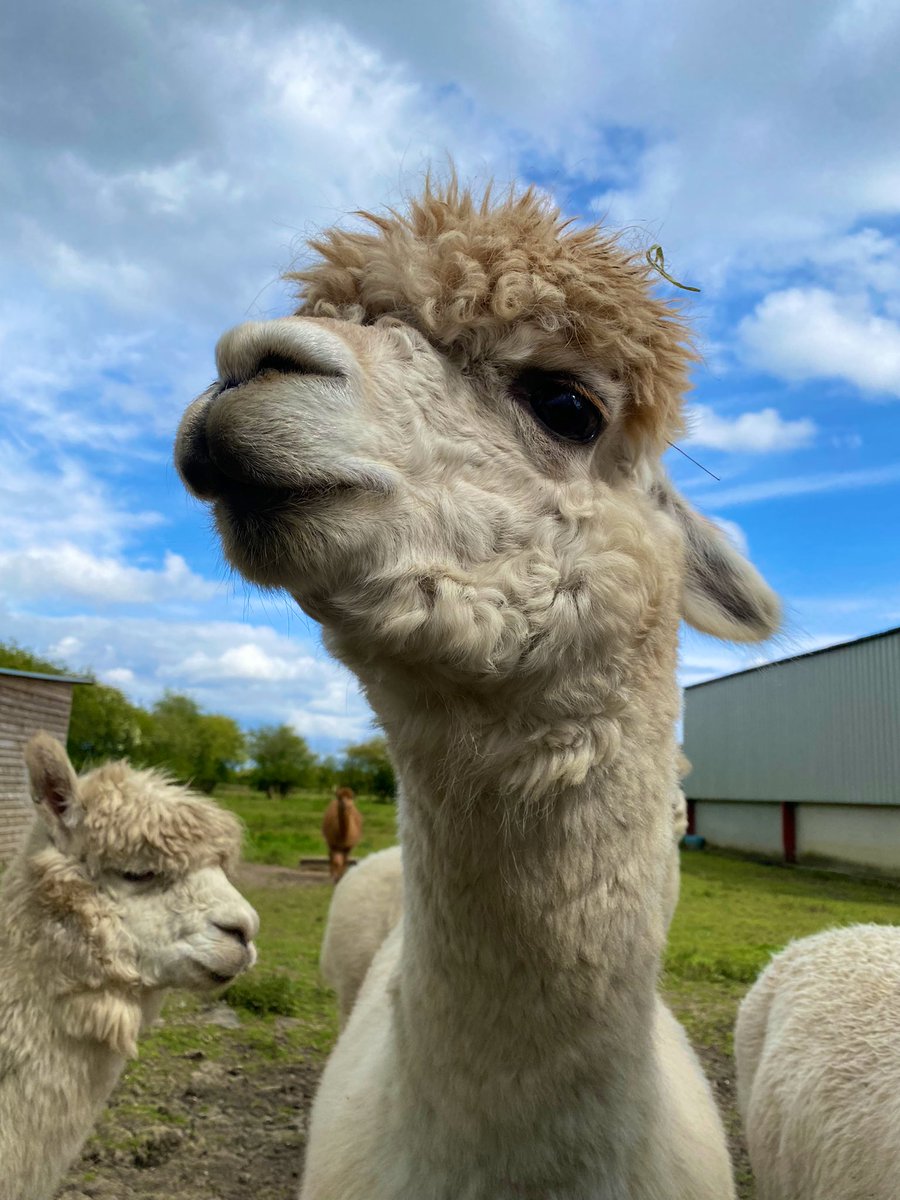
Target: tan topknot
{"points": [[463, 271], [142, 820]]}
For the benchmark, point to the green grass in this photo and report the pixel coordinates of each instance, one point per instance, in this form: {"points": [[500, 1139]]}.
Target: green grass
{"points": [[733, 915], [284, 829]]}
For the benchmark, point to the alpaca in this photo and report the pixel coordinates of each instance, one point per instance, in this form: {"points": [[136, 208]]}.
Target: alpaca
{"points": [[817, 1044], [118, 893], [341, 829], [369, 903], [450, 457], [364, 909]]}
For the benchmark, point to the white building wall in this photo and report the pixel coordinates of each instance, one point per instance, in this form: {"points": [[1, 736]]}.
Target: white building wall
{"points": [[858, 835], [737, 826]]}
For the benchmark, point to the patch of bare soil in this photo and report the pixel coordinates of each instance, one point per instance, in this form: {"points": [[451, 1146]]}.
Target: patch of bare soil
{"points": [[262, 875], [235, 1129], [230, 1129]]}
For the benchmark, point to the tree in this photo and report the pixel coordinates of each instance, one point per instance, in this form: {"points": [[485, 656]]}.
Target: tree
{"points": [[15, 658], [283, 759], [199, 748], [326, 773], [103, 724], [367, 768]]}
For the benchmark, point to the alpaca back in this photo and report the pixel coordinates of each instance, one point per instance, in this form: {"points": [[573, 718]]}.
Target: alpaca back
{"points": [[366, 905], [817, 1045]]}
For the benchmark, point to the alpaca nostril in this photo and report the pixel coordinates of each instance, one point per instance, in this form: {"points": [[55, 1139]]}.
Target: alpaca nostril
{"points": [[286, 346], [236, 931]]}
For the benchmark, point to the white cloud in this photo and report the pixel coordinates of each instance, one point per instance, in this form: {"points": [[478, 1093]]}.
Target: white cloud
{"points": [[62, 501], [62, 570], [762, 432], [119, 677], [161, 165], [798, 485], [249, 661], [735, 534], [249, 671], [809, 333], [762, 140], [342, 727]]}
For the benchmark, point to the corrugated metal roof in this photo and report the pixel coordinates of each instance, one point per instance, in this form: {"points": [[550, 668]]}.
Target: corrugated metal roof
{"points": [[47, 678], [779, 662], [821, 727]]}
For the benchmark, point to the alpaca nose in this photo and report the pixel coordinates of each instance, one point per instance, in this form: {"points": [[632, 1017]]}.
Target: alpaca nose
{"points": [[287, 346], [224, 445], [241, 923], [240, 932]]}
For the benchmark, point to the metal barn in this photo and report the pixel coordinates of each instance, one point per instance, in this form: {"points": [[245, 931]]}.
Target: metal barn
{"points": [[799, 760], [28, 702]]}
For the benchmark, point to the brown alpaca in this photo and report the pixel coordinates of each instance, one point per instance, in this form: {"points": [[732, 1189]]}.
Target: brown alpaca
{"points": [[341, 829]]}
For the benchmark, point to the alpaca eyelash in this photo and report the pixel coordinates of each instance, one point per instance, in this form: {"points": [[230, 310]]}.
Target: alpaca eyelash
{"points": [[521, 383], [138, 876], [583, 390]]}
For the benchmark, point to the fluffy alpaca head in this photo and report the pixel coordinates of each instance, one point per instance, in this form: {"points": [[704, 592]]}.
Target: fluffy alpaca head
{"points": [[450, 454], [122, 889]]}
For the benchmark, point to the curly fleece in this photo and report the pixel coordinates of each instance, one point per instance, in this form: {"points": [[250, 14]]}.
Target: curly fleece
{"points": [[464, 272]]}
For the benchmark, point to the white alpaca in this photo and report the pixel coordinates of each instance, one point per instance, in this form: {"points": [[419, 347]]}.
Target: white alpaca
{"points": [[118, 893], [817, 1045], [450, 457], [368, 903]]}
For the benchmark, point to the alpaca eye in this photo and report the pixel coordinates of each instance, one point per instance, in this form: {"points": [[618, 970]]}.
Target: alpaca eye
{"points": [[137, 876], [563, 406]]}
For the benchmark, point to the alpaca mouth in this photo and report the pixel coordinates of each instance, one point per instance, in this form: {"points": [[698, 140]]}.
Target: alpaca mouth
{"points": [[221, 474], [249, 499], [218, 979]]}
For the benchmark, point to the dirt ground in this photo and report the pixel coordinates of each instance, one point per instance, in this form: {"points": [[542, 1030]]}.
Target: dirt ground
{"points": [[242, 1136], [234, 1128]]}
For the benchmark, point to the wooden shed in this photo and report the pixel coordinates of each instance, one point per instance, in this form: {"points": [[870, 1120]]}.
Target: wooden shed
{"points": [[28, 702]]}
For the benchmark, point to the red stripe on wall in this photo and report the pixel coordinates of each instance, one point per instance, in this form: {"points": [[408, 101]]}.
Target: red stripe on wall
{"points": [[789, 831]]}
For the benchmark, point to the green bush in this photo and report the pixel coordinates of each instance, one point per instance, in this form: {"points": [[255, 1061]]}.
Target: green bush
{"points": [[265, 993]]}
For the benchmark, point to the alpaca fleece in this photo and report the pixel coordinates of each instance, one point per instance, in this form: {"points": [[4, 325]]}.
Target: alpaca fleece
{"points": [[817, 1044], [509, 599], [86, 952]]}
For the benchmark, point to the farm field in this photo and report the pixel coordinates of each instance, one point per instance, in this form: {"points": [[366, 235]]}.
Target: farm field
{"points": [[215, 1108]]}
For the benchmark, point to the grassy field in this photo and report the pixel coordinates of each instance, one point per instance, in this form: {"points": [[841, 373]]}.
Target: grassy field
{"points": [[216, 1105], [284, 829]]}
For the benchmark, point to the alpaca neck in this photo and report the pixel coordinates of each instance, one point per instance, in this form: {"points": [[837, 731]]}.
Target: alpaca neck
{"points": [[53, 1080], [533, 916]]}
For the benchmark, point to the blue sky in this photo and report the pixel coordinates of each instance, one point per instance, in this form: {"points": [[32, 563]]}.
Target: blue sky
{"points": [[161, 164]]}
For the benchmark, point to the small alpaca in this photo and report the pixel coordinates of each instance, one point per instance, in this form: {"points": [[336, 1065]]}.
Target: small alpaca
{"points": [[118, 893], [369, 903], [817, 1044], [341, 829], [450, 456]]}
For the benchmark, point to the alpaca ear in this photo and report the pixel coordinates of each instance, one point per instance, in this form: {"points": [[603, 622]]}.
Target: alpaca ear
{"points": [[54, 785], [724, 595]]}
